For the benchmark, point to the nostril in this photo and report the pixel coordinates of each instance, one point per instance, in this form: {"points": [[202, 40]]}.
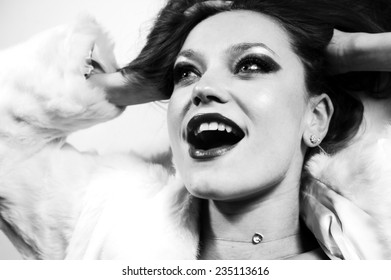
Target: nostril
{"points": [[215, 99], [206, 91], [197, 100]]}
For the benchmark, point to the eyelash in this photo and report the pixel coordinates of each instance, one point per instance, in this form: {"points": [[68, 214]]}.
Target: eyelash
{"points": [[185, 68], [264, 64]]}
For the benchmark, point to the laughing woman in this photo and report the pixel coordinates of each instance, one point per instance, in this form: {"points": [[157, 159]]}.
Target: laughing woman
{"points": [[250, 101]]}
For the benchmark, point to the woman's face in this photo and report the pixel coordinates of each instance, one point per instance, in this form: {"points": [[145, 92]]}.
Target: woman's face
{"points": [[237, 112]]}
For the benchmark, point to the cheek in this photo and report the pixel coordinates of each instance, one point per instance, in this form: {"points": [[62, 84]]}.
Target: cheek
{"points": [[275, 108], [172, 120], [175, 114], [277, 123]]}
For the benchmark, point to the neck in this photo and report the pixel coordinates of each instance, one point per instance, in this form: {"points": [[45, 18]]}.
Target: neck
{"points": [[228, 227]]}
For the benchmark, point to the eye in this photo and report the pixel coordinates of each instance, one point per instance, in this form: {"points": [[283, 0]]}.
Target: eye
{"points": [[185, 73], [256, 64]]}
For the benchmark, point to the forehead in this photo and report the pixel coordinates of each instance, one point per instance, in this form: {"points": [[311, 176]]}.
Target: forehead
{"points": [[232, 27]]}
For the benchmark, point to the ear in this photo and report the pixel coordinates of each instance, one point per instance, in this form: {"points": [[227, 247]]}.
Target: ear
{"points": [[318, 119]]}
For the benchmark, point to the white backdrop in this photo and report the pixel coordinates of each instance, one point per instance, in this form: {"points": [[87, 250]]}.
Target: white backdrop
{"points": [[140, 128]]}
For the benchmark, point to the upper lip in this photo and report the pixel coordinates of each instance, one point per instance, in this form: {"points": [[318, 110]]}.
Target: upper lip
{"points": [[197, 120]]}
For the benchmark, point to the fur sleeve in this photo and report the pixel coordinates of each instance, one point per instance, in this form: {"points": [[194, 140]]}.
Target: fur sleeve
{"points": [[43, 92], [43, 97]]}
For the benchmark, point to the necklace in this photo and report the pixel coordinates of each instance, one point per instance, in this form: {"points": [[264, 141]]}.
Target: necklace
{"points": [[256, 239]]}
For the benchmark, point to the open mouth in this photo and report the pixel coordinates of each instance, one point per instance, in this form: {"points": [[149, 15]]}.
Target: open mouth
{"points": [[211, 135]]}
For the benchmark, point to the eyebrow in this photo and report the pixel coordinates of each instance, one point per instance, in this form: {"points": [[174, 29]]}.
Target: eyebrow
{"points": [[237, 48], [191, 54], [242, 47]]}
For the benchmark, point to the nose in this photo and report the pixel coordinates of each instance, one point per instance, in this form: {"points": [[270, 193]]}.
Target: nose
{"points": [[207, 91]]}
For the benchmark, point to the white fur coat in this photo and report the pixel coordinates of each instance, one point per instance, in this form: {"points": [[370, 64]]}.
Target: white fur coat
{"points": [[56, 202]]}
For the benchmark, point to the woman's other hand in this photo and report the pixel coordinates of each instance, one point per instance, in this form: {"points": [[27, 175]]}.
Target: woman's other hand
{"points": [[349, 52], [340, 52]]}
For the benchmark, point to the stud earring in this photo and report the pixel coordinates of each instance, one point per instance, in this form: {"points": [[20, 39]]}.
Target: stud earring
{"points": [[314, 140]]}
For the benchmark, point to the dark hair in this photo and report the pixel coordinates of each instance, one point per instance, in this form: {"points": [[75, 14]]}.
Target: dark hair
{"points": [[309, 24]]}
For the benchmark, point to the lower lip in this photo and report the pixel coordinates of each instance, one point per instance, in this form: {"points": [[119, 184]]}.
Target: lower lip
{"points": [[209, 154]]}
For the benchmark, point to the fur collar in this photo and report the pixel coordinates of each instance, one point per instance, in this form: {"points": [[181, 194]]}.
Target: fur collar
{"points": [[346, 199]]}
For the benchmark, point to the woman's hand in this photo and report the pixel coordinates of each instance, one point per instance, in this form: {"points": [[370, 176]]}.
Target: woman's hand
{"points": [[340, 52], [122, 88], [122, 92], [44, 91], [349, 52]]}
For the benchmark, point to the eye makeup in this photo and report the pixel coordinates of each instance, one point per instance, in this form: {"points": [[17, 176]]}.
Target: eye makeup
{"points": [[255, 63], [244, 60], [185, 73]]}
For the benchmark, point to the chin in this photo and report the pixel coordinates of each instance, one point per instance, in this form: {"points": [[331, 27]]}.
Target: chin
{"points": [[204, 189], [211, 189], [210, 194]]}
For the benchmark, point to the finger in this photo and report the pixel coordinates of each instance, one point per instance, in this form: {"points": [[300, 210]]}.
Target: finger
{"points": [[339, 53], [107, 81], [121, 91]]}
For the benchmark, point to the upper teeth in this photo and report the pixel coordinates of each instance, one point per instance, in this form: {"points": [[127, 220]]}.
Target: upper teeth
{"points": [[212, 127]]}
